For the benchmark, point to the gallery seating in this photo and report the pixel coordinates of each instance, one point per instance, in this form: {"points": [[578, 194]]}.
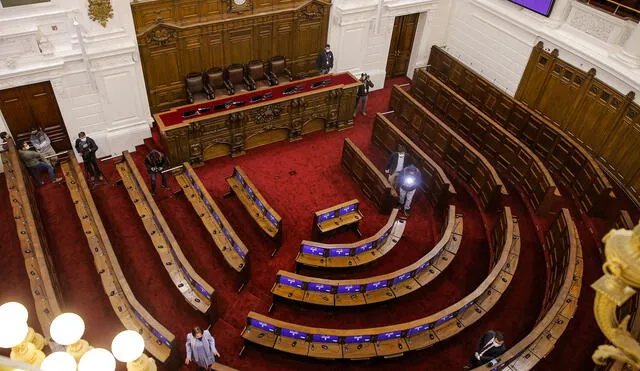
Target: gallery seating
{"points": [[257, 75], [442, 143], [435, 184], [312, 290], [197, 89], [43, 281], [395, 340], [560, 301], [237, 79], [510, 156], [279, 71], [159, 341], [196, 291], [233, 250], [368, 250], [218, 85], [572, 164], [373, 183]]}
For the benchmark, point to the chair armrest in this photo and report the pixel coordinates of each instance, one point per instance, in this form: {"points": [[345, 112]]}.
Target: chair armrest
{"points": [[189, 96], [286, 70], [274, 78], [210, 91], [250, 84], [268, 78], [229, 87]]}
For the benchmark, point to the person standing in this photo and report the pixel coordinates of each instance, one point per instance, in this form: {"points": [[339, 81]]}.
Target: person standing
{"points": [[41, 142], [156, 162], [201, 349], [87, 147], [363, 94], [396, 163], [324, 62], [35, 162], [4, 136], [409, 180], [490, 346]]}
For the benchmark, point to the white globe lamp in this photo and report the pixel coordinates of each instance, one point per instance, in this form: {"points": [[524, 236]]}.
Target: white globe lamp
{"points": [[59, 361], [12, 333], [97, 359], [14, 311], [128, 346], [67, 329]]}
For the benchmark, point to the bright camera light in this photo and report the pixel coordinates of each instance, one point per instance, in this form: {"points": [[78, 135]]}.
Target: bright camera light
{"points": [[409, 180], [67, 328]]}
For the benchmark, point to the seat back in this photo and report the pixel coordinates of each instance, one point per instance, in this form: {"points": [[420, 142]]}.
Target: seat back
{"points": [[256, 70], [194, 81], [215, 77], [235, 73], [278, 65]]}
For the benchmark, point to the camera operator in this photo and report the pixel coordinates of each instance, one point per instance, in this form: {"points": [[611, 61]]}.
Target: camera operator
{"points": [[363, 93], [156, 162], [408, 181]]}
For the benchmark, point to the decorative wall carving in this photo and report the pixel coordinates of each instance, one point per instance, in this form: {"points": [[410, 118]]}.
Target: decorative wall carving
{"points": [[161, 36], [600, 25], [268, 113], [594, 26], [100, 11], [312, 11]]}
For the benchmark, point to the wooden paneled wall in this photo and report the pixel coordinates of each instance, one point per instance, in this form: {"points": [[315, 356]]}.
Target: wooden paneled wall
{"points": [[178, 37], [604, 120]]}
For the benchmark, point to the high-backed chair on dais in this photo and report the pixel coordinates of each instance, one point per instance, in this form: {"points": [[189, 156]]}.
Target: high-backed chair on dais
{"points": [[279, 71], [217, 84], [256, 73], [237, 79], [197, 90]]}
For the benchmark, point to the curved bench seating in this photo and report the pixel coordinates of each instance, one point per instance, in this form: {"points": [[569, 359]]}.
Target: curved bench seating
{"points": [[43, 281], [375, 289], [510, 155], [316, 254], [395, 340], [196, 291], [159, 341], [573, 164], [441, 142], [560, 302]]}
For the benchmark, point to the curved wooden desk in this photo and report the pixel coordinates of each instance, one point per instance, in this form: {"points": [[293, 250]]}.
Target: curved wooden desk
{"points": [[316, 254], [395, 340], [375, 289], [159, 341], [33, 242], [196, 291]]}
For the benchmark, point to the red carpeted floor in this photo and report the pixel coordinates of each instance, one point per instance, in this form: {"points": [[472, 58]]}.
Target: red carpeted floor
{"points": [[296, 178]]}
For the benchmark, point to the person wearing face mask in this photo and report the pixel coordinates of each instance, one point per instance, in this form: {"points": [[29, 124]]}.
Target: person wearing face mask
{"points": [[87, 147], [490, 346], [201, 349], [324, 62]]}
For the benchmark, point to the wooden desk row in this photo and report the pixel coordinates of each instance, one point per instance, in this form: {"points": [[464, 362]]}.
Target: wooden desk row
{"points": [[563, 155], [371, 180], [197, 292], [345, 215], [560, 303], [257, 206], [509, 155], [394, 340], [320, 255], [376, 289], [435, 182], [441, 142], [159, 341], [233, 250], [43, 281]]}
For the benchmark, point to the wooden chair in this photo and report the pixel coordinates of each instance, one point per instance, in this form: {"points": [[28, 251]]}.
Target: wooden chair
{"points": [[218, 86], [236, 78], [197, 90], [279, 70], [257, 75]]}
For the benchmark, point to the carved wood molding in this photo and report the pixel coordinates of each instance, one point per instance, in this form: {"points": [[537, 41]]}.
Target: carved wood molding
{"points": [[266, 114], [161, 36]]}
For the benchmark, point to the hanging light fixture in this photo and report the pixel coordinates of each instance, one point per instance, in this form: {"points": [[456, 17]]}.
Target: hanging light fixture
{"points": [[59, 361], [97, 359], [67, 329], [128, 346]]}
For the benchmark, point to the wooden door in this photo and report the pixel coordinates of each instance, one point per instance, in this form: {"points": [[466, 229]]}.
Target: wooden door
{"points": [[404, 31], [30, 106]]}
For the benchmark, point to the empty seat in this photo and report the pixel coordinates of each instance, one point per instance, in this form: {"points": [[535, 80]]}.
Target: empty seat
{"points": [[279, 70], [218, 86], [257, 75], [236, 78], [197, 90]]}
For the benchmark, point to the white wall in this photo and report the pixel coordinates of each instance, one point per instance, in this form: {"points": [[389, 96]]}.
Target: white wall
{"points": [[97, 77]]}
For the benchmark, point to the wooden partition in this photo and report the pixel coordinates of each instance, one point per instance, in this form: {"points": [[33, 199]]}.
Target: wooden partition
{"points": [[565, 157], [435, 182], [395, 340], [565, 270], [441, 142], [159, 341], [196, 291], [233, 250], [508, 153], [321, 255], [43, 280], [313, 290], [371, 180]]}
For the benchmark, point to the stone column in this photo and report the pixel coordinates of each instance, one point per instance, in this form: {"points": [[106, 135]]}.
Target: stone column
{"points": [[559, 13], [630, 52]]}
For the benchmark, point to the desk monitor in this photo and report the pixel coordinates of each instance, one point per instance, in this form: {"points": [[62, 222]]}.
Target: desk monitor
{"points": [[239, 177], [418, 329], [260, 205], [348, 289], [239, 250], [250, 192], [272, 219], [319, 287], [377, 285], [325, 339], [288, 281], [340, 252], [293, 334], [262, 325], [465, 307], [383, 238], [313, 250], [326, 216], [389, 335], [364, 248], [422, 267], [215, 216], [444, 319], [348, 209], [401, 278], [226, 234], [358, 339]]}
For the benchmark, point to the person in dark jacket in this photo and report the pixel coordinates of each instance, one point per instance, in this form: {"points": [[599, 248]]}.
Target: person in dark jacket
{"points": [[396, 163], [87, 147], [409, 180], [156, 162], [324, 62], [41, 142], [363, 94], [34, 162], [4, 136], [490, 346]]}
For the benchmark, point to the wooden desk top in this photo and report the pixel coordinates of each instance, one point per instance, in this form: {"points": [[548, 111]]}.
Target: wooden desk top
{"points": [[340, 221], [255, 335]]}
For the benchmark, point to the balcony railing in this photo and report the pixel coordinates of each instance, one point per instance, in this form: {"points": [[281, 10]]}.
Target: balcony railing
{"points": [[626, 9]]}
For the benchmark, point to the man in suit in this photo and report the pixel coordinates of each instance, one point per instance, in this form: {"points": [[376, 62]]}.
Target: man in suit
{"points": [[490, 346], [396, 163], [87, 147], [324, 62], [41, 142], [363, 94], [156, 162], [409, 180], [35, 162]]}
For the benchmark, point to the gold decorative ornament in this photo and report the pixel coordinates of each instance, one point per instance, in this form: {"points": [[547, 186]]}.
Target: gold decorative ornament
{"points": [[618, 284], [239, 6], [161, 36], [100, 11], [267, 114], [312, 11]]}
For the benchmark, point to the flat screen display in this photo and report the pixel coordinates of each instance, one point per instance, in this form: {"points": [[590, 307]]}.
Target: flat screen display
{"points": [[346, 289], [539, 6], [348, 209], [318, 287], [325, 338], [291, 282], [262, 325], [357, 339], [389, 335], [293, 334], [326, 216], [339, 252], [312, 250]]}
